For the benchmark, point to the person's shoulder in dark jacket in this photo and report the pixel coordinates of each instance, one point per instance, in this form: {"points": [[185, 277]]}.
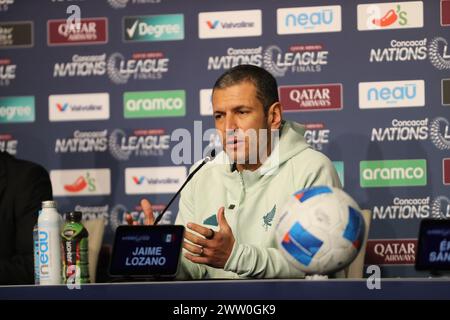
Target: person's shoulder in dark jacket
{"points": [[23, 187]]}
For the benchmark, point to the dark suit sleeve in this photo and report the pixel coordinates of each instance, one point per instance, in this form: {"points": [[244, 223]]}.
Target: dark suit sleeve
{"points": [[34, 187]]}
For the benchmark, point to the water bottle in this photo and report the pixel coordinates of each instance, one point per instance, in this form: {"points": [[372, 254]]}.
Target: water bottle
{"points": [[49, 222], [36, 251], [75, 250]]}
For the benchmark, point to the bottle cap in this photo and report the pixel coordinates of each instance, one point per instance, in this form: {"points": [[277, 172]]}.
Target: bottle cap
{"points": [[74, 215], [48, 204]]}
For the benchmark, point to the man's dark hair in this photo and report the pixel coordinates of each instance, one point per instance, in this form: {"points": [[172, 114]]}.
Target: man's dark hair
{"points": [[265, 84]]}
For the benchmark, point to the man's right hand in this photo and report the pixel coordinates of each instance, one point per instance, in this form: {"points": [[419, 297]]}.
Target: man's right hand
{"points": [[148, 212]]}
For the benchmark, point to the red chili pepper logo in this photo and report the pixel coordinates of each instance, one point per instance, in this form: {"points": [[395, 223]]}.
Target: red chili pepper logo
{"points": [[77, 186], [389, 18]]}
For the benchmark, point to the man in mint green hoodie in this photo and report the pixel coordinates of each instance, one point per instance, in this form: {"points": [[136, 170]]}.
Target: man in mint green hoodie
{"points": [[230, 206]]}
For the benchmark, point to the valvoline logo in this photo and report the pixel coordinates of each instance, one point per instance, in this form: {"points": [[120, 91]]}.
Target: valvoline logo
{"points": [[81, 183], [62, 107], [212, 25], [139, 180], [43, 254]]}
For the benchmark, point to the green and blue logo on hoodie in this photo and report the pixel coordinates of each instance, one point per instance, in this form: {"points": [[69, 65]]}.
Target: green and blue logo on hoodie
{"points": [[268, 218]]}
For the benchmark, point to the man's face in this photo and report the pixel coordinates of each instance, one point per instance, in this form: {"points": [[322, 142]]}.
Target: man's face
{"points": [[237, 110]]}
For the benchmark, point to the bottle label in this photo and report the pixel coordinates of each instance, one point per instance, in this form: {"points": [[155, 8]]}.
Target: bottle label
{"points": [[75, 254], [44, 255]]}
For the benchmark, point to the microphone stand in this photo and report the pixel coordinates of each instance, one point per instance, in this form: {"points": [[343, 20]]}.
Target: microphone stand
{"points": [[207, 159]]}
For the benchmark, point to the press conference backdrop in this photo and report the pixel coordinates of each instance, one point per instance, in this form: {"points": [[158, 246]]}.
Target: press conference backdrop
{"points": [[104, 104]]}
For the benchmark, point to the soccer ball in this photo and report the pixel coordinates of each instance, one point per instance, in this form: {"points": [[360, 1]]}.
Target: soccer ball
{"points": [[320, 230]]}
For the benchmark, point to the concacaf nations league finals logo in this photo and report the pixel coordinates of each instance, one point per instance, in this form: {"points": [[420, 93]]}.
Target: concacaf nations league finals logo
{"points": [[141, 66], [121, 4], [440, 208], [141, 143], [440, 133], [118, 4], [440, 61], [298, 58]]}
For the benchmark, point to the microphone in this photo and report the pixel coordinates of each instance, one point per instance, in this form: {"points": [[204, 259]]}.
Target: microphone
{"points": [[207, 159]]}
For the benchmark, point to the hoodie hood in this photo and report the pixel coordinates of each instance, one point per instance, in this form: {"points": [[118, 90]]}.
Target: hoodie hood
{"points": [[291, 143]]}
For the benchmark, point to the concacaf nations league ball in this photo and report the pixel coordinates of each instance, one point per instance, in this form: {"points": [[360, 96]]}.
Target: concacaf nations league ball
{"points": [[320, 230]]}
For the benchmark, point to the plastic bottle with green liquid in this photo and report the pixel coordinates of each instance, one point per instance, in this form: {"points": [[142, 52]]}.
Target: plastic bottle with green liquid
{"points": [[74, 238]]}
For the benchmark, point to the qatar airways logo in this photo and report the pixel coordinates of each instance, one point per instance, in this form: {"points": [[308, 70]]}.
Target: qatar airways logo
{"points": [[7, 72], [297, 59], [311, 97], [141, 66], [8, 143], [391, 252], [86, 31], [81, 66], [141, 143], [83, 142], [445, 13], [81, 182]]}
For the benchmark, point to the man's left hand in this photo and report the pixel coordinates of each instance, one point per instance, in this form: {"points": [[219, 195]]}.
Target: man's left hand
{"points": [[214, 248]]}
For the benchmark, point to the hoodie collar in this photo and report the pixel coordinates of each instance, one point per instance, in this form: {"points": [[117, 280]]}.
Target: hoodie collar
{"points": [[291, 143]]}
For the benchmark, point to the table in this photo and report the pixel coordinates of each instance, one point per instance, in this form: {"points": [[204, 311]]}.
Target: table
{"points": [[433, 288]]}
